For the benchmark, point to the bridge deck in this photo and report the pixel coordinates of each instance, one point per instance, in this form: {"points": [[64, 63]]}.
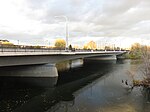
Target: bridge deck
{"points": [[34, 58], [57, 53]]}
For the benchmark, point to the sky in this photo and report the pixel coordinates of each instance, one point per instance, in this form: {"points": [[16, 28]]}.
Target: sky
{"points": [[107, 22]]}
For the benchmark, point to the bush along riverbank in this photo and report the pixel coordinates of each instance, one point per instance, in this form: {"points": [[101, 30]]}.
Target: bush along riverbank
{"points": [[144, 83], [144, 56], [135, 52]]}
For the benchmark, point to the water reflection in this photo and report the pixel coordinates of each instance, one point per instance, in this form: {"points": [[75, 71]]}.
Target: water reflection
{"points": [[92, 86], [20, 84], [63, 94], [88, 68], [146, 93], [106, 93]]}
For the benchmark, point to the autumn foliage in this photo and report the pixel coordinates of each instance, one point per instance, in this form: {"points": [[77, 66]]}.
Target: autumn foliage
{"points": [[60, 43], [90, 45], [142, 52]]}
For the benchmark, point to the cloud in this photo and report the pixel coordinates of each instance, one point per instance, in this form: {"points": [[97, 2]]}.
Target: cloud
{"points": [[98, 20]]}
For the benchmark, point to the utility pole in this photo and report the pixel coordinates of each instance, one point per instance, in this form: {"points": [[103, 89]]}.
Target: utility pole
{"points": [[67, 32]]}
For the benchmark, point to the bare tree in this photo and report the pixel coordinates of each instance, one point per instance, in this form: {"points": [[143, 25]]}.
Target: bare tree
{"points": [[144, 68], [145, 55]]}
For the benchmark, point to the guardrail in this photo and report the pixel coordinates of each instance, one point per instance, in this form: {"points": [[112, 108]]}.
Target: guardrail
{"points": [[2, 50], [28, 50]]}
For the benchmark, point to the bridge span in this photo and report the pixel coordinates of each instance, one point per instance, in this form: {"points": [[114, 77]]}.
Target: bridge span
{"points": [[11, 59], [32, 58]]}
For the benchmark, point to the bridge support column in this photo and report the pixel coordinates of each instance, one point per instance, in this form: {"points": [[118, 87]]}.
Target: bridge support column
{"points": [[48, 70], [114, 57]]}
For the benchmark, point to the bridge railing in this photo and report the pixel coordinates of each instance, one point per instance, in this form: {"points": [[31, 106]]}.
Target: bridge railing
{"points": [[8, 50], [29, 50]]}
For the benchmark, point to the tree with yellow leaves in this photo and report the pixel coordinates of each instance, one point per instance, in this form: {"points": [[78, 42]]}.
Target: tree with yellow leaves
{"points": [[60, 43], [90, 45], [5, 42]]}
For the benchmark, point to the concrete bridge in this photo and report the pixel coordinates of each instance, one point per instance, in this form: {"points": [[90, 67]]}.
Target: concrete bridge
{"points": [[11, 57]]}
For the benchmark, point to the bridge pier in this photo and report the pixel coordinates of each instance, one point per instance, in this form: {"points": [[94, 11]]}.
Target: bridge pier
{"points": [[29, 76], [47, 70]]}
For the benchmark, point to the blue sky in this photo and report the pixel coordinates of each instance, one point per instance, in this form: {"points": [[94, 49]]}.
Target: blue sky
{"points": [[121, 22]]}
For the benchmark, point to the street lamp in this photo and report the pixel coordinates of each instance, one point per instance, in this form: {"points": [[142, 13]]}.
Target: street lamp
{"points": [[67, 33], [18, 42]]}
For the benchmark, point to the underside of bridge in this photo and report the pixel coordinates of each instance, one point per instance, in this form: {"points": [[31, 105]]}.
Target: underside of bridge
{"points": [[50, 59], [14, 60]]}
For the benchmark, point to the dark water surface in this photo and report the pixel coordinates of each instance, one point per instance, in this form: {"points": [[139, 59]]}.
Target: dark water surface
{"points": [[92, 86]]}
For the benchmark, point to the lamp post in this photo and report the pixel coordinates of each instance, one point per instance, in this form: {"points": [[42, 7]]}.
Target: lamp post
{"points": [[18, 42], [67, 33], [18, 45]]}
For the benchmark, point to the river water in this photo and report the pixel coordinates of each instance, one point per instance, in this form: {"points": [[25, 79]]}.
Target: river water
{"points": [[89, 86]]}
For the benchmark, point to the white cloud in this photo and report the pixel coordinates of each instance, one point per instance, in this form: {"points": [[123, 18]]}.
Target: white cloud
{"points": [[33, 21]]}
